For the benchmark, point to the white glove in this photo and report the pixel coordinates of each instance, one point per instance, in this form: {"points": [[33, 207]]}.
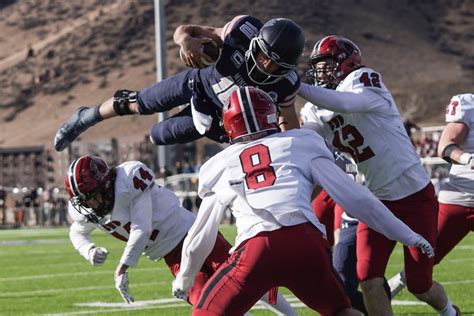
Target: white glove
{"points": [[97, 255], [425, 247], [121, 284], [178, 292]]}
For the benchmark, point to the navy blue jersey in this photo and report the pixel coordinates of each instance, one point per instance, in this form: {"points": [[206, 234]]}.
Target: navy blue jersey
{"points": [[219, 80], [230, 69], [212, 88]]}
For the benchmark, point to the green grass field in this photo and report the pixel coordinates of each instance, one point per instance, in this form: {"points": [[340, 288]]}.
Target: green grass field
{"points": [[42, 274]]}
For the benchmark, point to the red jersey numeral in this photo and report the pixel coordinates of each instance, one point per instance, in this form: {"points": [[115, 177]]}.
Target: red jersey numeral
{"points": [[355, 142], [138, 183], [255, 163], [372, 81], [110, 227], [453, 109]]}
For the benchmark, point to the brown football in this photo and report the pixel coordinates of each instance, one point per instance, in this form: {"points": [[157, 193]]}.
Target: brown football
{"points": [[211, 50]]}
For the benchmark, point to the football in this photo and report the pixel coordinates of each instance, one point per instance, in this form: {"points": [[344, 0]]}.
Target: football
{"points": [[210, 51]]}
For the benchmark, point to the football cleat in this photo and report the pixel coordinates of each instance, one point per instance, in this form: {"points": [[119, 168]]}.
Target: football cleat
{"points": [[397, 284], [81, 120]]}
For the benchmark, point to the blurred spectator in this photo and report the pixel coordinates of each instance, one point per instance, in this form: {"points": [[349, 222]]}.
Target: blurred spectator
{"points": [[28, 205], [427, 145], [3, 208], [19, 213], [62, 209], [39, 214], [187, 167]]}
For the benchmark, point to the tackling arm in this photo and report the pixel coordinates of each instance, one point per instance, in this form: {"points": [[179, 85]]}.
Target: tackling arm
{"points": [[338, 101], [199, 242], [361, 203]]}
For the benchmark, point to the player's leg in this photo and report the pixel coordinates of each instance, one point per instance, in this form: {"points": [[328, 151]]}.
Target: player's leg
{"points": [[345, 262], [420, 212], [160, 97], [177, 129], [454, 223], [311, 277], [323, 208], [373, 252]]}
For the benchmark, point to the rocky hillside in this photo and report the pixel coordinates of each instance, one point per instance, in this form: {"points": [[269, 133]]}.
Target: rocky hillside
{"points": [[57, 55]]}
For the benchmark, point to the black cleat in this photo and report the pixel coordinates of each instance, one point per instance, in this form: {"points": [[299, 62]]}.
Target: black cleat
{"points": [[80, 121]]}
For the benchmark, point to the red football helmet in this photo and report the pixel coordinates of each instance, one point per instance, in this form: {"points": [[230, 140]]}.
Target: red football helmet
{"points": [[89, 176], [250, 114], [345, 55]]}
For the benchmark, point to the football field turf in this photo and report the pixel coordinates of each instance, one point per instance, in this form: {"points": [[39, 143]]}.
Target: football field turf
{"points": [[42, 274]]}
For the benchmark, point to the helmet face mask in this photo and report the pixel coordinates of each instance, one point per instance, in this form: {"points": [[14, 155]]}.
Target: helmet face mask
{"points": [[331, 60], [250, 114], [282, 42], [90, 184], [256, 73]]}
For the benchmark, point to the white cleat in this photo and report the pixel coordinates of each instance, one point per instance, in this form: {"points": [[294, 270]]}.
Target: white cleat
{"points": [[397, 283]]}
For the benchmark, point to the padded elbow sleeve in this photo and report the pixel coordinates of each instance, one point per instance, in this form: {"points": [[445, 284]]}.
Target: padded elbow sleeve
{"points": [[448, 149]]}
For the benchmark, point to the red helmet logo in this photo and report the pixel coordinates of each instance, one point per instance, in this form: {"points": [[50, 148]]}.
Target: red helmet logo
{"points": [[250, 114]]}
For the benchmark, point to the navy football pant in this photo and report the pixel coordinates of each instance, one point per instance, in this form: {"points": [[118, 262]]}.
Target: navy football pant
{"points": [[345, 262], [180, 129]]}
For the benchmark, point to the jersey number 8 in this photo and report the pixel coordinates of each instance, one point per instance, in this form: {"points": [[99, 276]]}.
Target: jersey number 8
{"points": [[255, 163]]}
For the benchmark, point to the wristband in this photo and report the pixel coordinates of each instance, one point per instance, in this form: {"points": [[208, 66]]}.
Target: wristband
{"points": [[465, 159]]}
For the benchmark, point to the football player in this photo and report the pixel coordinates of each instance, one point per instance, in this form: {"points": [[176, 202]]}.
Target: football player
{"points": [[252, 53], [126, 203], [362, 120], [456, 197], [266, 178]]}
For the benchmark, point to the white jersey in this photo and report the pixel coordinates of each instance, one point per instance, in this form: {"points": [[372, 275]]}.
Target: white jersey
{"points": [[362, 119], [277, 183], [460, 187], [147, 217], [277, 174]]}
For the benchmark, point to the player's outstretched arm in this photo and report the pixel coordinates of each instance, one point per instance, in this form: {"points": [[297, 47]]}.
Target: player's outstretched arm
{"points": [[362, 204], [337, 101], [198, 243]]}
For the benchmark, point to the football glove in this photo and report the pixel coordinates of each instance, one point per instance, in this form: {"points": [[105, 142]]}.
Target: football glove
{"points": [[121, 284], [425, 247], [97, 255], [178, 292]]}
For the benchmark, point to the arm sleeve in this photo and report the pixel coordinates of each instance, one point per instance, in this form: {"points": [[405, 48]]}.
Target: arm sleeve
{"points": [[200, 240], [141, 227], [360, 203], [338, 101], [79, 234]]}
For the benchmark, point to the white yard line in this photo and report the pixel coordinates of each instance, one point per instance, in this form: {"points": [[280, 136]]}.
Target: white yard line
{"points": [[106, 307], [72, 274]]}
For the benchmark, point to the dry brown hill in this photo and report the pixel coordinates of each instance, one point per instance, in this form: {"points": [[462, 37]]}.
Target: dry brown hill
{"points": [[82, 51]]}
